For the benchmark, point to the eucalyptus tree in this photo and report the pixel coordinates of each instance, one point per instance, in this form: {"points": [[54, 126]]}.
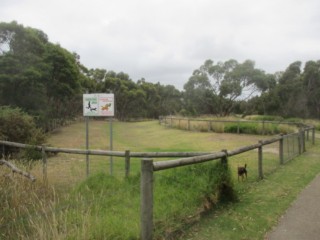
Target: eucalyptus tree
{"points": [[22, 77], [170, 100], [152, 99], [129, 99], [199, 94], [290, 92], [311, 81], [215, 88], [97, 74], [40, 77]]}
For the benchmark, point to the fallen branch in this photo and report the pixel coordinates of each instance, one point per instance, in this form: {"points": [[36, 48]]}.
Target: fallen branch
{"points": [[17, 170]]}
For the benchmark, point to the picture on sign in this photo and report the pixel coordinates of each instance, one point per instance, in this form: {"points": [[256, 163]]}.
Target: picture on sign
{"points": [[98, 104]]}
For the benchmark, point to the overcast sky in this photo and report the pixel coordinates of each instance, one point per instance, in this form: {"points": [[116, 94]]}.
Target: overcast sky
{"points": [[165, 40]]}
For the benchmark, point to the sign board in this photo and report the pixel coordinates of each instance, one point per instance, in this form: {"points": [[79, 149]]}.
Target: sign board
{"points": [[98, 104]]}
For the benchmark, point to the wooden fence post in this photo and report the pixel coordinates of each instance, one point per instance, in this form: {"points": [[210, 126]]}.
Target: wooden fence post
{"points": [[260, 161], [209, 126], [127, 162], [308, 134], [293, 147], [3, 151], [288, 147], [299, 142], [238, 127], [303, 140], [146, 199], [313, 135], [44, 164], [281, 150], [224, 159]]}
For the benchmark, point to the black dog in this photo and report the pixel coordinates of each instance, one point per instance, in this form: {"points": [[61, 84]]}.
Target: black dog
{"points": [[242, 172]]}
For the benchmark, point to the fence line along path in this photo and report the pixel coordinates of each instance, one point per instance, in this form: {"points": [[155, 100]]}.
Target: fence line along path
{"points": [[148, 166]]}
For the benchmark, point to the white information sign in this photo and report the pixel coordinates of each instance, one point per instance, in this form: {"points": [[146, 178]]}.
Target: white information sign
{"points": [[98, 104]]}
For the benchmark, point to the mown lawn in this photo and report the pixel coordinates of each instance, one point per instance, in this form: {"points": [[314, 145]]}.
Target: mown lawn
{"points": [[138, 137]]}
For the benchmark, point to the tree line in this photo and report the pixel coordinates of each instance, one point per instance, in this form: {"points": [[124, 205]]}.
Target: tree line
{"points": [[231, 87], [47, 81]]}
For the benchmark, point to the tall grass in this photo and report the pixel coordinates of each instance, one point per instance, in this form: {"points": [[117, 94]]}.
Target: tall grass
{"points": [[106, 207], [19, 200]]}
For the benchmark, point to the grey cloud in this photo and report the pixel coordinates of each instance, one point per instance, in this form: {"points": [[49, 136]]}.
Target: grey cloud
{"points": [[164, 41]]}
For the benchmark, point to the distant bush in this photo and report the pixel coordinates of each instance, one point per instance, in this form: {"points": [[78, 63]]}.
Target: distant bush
{"points": [[258, 128], [264, 118], [248, 128], [18, 126]]}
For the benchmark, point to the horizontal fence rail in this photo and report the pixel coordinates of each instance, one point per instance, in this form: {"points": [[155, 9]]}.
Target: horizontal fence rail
{"points": [[162, 165], [185, 158], [148, 166], [177, 122], [104, 152], [163, 119]]}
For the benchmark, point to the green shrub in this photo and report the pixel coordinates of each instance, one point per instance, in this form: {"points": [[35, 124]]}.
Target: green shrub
{"points": [[264, 118], [258, 128], [247, 128], [293, 120], [18, 126]]}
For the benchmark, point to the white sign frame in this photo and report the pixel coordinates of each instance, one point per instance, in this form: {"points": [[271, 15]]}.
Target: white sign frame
{"points": [[98, 105]]}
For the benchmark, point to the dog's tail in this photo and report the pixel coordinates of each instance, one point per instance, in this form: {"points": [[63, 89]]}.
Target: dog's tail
{"points": [[245, 166]]}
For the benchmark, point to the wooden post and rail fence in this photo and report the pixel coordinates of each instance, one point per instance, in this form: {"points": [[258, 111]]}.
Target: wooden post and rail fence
{"points": [[148, 166], [208, 124]]}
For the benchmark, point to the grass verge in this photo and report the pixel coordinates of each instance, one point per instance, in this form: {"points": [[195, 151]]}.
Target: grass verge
{"points": [[261, 203]]}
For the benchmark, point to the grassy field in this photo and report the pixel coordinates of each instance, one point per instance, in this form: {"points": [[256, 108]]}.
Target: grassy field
{"points": [[136, 137], [107, 207]]}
